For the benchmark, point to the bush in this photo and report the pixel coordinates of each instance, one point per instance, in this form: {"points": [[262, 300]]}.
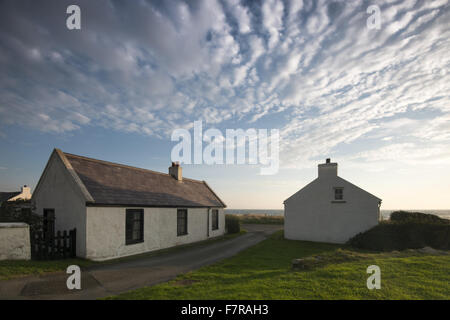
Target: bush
{"points": [[406, 231], [416, 217], [20, 211], [261, 219], [232, 224]]}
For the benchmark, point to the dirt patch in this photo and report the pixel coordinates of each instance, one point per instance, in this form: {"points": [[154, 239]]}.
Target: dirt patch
{"points": [[55, 285]]}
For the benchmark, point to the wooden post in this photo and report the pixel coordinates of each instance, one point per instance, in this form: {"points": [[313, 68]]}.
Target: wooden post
{"points": [[31, 243], [40, 246], [54, 253], [65, 244], [73, 240], [58, 244]]}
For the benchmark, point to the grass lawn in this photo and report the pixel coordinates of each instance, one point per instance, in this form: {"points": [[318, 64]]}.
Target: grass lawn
{"points": [[264, 272], [18, 268]]}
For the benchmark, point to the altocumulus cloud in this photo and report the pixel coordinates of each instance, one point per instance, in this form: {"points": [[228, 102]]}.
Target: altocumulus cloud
{"points": [[310, 68]]}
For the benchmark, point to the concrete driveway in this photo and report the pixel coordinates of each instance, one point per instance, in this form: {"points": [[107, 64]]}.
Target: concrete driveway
{"points": [[110, 279]]}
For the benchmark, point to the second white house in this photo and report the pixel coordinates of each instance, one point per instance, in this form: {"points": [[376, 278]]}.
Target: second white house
{"points": [[329, 209], [120, 210]]}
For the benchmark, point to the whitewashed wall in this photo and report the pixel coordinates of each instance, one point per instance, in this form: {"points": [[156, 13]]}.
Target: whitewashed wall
{"points": [[105, 233], [312, 215], [58, 191], [15, 241]]}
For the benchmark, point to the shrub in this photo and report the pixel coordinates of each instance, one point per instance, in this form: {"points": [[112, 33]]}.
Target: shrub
{"points": [[20, 211], [261, 219], [232, 224], [406, 231], [417, 217]]}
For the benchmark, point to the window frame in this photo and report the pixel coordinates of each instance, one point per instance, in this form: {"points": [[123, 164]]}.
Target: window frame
{"points": [[215, 219], [130, 229], [185, 218], [341, 189]]}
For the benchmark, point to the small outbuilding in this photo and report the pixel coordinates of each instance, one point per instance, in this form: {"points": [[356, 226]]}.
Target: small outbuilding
{"points": [[120, 210], [329, 209]]}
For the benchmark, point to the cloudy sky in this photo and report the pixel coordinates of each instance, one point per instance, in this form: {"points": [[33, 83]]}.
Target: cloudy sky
{"points": [[374, 100]]}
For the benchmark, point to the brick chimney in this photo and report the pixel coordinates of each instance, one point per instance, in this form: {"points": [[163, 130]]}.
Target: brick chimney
{"points": [[176, 171], [328, 169]]}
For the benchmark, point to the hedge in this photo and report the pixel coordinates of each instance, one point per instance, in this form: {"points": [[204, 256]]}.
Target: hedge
{"points": [[416, 217], [405, 231], [232, 224]]}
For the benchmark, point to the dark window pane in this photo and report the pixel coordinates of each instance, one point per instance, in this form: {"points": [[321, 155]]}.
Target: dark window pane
{"points": [[181, 222], [215, 219], [134, 228], [338, 194]]}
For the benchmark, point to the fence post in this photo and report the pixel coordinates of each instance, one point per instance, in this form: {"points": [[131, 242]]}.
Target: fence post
{"points": [[40, 246], [58, 244], [73, 240], [65, 243], [53, 247]]}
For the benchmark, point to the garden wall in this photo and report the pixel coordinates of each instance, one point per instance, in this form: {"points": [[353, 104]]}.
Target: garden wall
{"points": [[15, 241]]}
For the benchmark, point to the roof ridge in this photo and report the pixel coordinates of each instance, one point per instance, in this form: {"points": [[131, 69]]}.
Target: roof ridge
{"points": [[125, 166]]}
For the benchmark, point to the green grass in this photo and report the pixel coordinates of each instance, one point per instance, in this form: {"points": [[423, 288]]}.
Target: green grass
{"points": [[19, 268], [264, 272]]}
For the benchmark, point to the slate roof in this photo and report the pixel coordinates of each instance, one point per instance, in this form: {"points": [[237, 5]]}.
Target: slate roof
{"points": [[5, 196], [120, 185]]}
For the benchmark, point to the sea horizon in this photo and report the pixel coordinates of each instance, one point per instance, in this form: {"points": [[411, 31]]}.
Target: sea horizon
{"points": [[385, 213]]}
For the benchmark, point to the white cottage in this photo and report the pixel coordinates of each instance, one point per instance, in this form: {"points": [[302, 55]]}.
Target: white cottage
{"points": [[120, 210], [23, 194], [329, 209]]}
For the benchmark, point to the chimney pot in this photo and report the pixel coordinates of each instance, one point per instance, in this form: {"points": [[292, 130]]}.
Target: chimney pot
{"points": [[328, 160], [176, 171]]}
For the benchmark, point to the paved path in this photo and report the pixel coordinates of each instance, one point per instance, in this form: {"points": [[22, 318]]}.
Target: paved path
{"points": [[110, 279]]}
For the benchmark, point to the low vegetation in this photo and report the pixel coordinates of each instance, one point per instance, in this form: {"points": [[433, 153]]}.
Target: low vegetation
{"points": [[417, 217], [18, 268], [265, 272], [405, 230], [232, 224], [258, 219], [20, 211]]}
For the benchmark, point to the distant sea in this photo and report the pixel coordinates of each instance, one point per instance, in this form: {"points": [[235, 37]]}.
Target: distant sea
{"points": [[384, 213]]}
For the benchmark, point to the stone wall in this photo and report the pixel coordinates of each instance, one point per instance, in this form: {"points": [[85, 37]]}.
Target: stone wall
{"points": [[15, 241]]}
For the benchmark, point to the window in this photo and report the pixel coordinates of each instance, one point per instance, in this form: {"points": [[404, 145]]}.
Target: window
{"points": [[338, 193], [181, 222], [215, 219], [134, 226]]}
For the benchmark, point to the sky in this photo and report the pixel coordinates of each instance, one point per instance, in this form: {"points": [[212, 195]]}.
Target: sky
{"points": [[375, 100]]}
